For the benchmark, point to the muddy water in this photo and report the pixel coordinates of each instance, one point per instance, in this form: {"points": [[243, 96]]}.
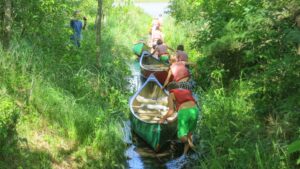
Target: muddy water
{"points": [[140, 156]]}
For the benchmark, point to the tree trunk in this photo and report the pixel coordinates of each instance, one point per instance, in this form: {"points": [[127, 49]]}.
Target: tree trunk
{"points": [[7, 21], [297, 20], [98, 29]]}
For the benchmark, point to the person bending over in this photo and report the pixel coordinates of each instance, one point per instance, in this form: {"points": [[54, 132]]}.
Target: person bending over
{"points": [[180, 74], [162, 51], [188, 112]]}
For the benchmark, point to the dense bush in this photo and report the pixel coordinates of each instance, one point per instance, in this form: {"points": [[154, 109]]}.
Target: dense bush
{"points": [[9, 115], [246, 42]]}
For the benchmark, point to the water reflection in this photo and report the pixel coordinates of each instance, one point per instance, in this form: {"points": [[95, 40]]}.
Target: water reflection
{"points": [[135, 78], [134, 159]]}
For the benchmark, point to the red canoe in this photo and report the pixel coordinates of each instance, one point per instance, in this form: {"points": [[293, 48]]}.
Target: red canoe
{"points": [[150, 64]]}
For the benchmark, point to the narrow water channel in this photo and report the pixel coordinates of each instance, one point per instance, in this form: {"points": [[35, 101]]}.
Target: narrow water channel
{"points": [[139, 155]]}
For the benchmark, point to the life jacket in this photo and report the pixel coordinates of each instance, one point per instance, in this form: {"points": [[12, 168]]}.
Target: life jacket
{"points": [[182, 96], [162, 50], [179, 71], [181, 56]]}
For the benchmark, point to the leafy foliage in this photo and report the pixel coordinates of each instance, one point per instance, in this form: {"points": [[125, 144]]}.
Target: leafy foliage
{"points": [[75, 105], [8, 121], [246, 42]]}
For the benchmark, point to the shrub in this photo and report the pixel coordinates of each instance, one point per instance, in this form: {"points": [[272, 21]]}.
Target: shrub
{"points": [[9, 115]]}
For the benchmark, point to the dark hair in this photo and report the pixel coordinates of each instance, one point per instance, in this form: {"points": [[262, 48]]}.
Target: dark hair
{"points": [[180, 47], [159, 42]]}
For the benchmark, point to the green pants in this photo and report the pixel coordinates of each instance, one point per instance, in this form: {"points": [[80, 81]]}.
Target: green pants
{"points": [[164, 58], [187, 121]]}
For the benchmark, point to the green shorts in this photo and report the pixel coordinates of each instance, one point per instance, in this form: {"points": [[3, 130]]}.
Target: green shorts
{"points": [[187, 121], [164, 58]]}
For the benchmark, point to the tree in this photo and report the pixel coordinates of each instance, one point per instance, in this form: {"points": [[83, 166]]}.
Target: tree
{"points": [[98, 29], [297, 20], [7, 22]]}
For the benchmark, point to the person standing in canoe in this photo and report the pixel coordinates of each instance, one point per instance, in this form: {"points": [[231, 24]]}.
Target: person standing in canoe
{"points": [[162, 51], [77, 26], [184, 103]]}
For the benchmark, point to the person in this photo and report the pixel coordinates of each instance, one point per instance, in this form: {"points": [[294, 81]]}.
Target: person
{"points": [[188, 112], [77, 26], [181, 55], [160, 20], [155, 36], [155, 24], [162, 51], [180, 74]]}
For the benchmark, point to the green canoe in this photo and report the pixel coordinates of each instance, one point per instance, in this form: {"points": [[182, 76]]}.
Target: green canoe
{"points": [[138, 48], [147, 105]]}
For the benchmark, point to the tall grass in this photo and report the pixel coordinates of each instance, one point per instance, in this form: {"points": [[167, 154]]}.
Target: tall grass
{"points": [[231, 134], [71, 108]]}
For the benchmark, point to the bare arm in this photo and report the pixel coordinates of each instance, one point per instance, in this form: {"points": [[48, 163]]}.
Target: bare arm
{"points": [[170, 49], [171, 108], [84, 22], [168, 78]]}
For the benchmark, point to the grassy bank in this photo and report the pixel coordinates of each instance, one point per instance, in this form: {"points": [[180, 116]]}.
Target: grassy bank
{"points": [[70, 111]]}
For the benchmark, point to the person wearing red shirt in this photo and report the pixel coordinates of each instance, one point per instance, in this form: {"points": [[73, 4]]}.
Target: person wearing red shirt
{"points": [[179, 72], [188, 112]]}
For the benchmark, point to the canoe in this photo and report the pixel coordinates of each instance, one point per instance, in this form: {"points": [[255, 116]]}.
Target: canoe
{"points": [[147, 105], [139, 48], [150, 65]]}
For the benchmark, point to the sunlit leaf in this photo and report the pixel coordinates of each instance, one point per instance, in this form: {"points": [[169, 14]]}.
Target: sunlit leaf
{"points": [[294, 147]]}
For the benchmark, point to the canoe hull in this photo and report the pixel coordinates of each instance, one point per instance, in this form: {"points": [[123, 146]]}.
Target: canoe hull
{"points": [[160, 74], [156, 135], [139, 48]]}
